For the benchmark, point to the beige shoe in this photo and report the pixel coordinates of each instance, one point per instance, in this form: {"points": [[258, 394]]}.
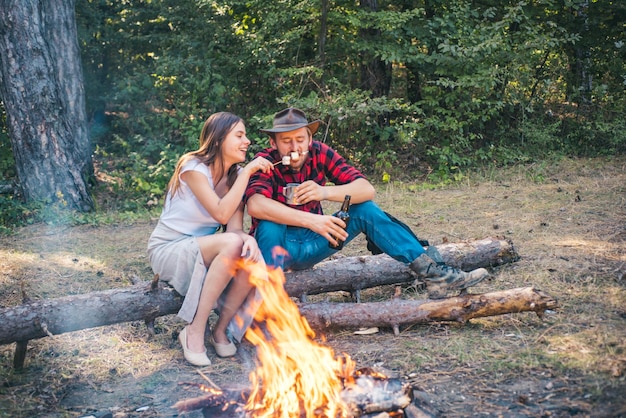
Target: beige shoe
{"points": [[223, 350], [197, 359]]}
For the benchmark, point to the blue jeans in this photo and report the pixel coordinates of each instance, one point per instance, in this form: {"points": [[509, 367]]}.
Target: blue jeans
{"points": [[306, 248]]}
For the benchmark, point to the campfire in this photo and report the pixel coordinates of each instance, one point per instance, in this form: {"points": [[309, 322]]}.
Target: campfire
{"points": [[294, 372], [296, 376]]}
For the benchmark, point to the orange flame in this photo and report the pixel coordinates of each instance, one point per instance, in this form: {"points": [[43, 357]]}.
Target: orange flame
{"points": [[295, 376]]}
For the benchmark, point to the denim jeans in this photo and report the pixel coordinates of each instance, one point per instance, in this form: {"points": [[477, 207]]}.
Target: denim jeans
{"points": [[305, 248]]}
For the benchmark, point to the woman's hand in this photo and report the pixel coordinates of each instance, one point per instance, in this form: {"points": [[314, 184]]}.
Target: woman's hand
{"points": [[258, 164], [250, 249]]}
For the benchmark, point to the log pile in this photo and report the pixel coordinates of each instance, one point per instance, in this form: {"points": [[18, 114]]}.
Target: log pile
{"points": [[149, 300]]}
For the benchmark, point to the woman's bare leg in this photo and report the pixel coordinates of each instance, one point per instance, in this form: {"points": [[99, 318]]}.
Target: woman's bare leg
{"points": [[237, 293], [218, 250]]}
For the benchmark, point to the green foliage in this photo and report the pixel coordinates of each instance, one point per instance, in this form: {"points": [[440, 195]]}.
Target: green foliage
{"points": [[457, 84], [14, 213], [137, 183]]}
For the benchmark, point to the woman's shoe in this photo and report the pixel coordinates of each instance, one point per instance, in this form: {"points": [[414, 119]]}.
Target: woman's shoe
{"points": [[197, 359], [223, 350]]}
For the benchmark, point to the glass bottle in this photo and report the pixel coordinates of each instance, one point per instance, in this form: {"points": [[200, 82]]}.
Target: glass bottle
{"points": [[344, 215]]}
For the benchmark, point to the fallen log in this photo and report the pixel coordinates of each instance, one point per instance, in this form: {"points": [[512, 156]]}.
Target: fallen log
{"points": [[395, 313], [36, 319], [149, 300], [357, 273]]}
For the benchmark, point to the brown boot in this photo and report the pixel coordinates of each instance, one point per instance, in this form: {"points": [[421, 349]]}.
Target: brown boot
{"points": [[441, 278]]}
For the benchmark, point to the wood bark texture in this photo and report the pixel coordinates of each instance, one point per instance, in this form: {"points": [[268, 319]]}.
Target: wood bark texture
{"points": [[143, 301], [147, 301], [356, 273], [41, 85], [396, 312]]}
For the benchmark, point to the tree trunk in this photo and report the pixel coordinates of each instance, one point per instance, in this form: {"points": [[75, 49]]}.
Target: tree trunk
{"points": [[41, 85], [375, 73], [413, 83], [582, 70], [321, 44]]}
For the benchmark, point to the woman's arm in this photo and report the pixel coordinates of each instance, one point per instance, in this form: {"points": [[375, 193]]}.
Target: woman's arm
{"points": [[223, 208]]}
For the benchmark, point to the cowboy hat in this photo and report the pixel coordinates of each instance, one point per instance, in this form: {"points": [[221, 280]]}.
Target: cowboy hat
{"points": [[291, 119]]}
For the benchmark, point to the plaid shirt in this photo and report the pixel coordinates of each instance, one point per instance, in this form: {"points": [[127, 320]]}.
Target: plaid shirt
{"points": [[323, 164]]}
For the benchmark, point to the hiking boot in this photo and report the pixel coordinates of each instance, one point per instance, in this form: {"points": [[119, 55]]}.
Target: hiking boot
{"points": [[441, 278]]}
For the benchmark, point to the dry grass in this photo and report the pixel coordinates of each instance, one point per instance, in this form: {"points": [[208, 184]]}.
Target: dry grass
{"points": [[567, 221]]}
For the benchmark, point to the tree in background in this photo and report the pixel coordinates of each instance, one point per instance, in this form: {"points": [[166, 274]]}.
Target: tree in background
{"points": [[41, 86], [405, 86]]}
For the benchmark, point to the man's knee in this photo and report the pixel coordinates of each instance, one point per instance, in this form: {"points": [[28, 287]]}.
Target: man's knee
{"points": [[368, 206]]}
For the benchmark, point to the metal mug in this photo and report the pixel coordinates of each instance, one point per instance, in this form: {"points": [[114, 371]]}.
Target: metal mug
{"points": [[289, 191]]}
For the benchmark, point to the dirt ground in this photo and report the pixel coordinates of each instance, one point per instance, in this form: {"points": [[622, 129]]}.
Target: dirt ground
{"points": [[567, 221]]}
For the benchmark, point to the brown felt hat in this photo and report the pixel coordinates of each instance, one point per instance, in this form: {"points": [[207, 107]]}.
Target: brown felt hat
{"points": [[291, 119]]}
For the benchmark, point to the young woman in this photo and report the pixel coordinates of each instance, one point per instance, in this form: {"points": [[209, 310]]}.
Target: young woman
{"points": [[204, 193]]}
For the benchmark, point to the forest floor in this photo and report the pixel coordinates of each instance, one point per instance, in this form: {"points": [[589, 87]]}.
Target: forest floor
{"points": [[567, 221]]}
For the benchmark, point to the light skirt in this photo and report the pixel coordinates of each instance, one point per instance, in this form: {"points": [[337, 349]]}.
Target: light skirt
{"points": [[176, 258]]}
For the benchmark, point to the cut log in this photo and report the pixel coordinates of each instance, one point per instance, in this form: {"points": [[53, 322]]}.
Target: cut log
{"points": [[144, 301], [396, 312]]}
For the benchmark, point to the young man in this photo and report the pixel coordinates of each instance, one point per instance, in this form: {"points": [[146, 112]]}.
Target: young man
{"points": [[304, 232]]}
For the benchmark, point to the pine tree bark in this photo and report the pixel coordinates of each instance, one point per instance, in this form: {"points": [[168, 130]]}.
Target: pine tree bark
{"points": [[375, 73], [41, 85]]}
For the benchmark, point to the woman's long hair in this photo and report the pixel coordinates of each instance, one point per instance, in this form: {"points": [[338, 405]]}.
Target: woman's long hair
{"points": [[214, 131]]}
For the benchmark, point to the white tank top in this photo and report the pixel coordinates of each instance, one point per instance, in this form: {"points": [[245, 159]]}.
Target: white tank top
{"points": [[183, 211]]}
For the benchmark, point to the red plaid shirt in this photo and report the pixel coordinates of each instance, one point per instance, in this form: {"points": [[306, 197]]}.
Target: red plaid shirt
{"points": [[323, 164]]}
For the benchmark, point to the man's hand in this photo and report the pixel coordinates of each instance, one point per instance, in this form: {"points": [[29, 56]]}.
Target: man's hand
{"points": [[330, 227], [310, 191]]}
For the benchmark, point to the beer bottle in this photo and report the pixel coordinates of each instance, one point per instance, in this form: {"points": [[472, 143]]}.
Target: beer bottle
{"points": [[344, 215]]}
